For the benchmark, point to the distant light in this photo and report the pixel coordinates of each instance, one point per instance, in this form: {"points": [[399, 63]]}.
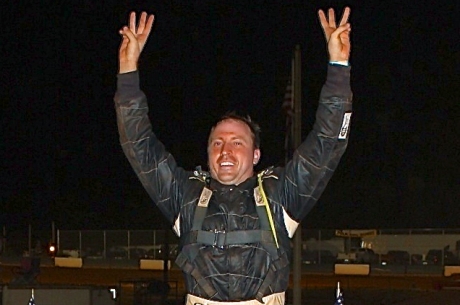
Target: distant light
{"points": [[52, 250]]}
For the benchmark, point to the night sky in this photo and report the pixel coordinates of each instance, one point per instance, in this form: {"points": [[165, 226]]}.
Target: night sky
{"points": [[60, 155]]}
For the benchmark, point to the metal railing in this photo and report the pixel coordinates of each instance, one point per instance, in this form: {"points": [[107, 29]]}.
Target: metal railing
{"points": [[117, 244], [388, 246], [392, 246]]}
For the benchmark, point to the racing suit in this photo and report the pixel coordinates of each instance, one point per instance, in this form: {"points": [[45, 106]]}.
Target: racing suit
{"points": [[221, 267]]}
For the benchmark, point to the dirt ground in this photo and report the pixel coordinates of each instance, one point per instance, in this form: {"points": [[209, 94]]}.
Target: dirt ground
{"points": [[365, 296], [316, 289]]}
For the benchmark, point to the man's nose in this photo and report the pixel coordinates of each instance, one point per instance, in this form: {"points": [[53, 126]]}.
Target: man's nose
{"points": [[225, 149]]}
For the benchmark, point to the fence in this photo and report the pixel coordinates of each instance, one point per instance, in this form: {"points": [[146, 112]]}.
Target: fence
{"points": [[389, 246], [411, 246], [118, 244]]}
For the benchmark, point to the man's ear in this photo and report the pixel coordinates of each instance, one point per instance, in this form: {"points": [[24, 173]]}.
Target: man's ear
{"points": [[257, 155]]}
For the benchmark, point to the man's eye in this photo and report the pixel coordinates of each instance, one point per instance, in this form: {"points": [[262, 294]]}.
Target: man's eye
{"points": [[238, 143], [217, 143]]}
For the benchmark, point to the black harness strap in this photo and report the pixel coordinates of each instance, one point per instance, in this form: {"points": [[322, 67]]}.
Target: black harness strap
{"points": [[201, 208], [184, 263], [221, 238], [261, 211], [264, 288], [265, 225], [185, 258], [278, 261]]}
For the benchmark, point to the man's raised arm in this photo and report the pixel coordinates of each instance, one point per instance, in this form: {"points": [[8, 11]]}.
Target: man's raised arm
{"points": [[316, 159]]}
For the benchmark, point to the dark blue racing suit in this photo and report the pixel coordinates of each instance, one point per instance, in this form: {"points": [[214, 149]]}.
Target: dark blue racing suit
{"points": [[219, 266]]}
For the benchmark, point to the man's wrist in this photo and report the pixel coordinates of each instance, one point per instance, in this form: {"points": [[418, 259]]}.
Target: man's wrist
{"points": [[127, 67]]}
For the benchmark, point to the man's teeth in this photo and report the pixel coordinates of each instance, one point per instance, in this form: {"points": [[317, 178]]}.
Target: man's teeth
{"points": [[226, 164]]}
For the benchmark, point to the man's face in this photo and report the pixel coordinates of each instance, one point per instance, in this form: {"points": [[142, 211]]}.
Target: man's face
{"points": [[231, 152]]}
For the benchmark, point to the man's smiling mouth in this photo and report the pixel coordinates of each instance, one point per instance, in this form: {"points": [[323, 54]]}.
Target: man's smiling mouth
{"points": [[226, 163]]}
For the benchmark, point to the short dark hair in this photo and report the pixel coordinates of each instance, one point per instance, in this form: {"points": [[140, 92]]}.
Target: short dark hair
{"points": [[253, 126]]}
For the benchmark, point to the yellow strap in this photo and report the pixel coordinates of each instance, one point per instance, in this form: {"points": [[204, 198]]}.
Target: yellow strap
{"points": [[267, 207]]}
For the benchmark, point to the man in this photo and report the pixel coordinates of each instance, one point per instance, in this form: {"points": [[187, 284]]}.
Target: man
{"points": [[235, 225]]}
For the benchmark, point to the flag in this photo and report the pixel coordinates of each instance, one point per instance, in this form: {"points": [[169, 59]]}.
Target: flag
{"points": [[338, 296], [288, 101], [288, 110], [339, 299]]}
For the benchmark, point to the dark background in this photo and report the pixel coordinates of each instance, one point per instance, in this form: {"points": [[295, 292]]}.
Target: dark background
{"points": [[60, 156]]}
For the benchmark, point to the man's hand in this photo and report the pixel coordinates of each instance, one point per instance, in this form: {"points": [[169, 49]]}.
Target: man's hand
{"points": [[337, 38], [134, 39]]}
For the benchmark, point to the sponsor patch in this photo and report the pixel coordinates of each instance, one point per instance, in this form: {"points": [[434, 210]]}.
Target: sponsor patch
{"points": [[205, 197], [345, 126], [258, 197]]}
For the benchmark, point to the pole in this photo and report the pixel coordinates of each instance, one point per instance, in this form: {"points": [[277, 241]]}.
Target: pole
{"points": [[166, 256], [53, 232], [297, 130], [30, 239], [4, 249]]}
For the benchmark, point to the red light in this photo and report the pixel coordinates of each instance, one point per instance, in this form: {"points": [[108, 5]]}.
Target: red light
{"points": [[52, 250]]}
